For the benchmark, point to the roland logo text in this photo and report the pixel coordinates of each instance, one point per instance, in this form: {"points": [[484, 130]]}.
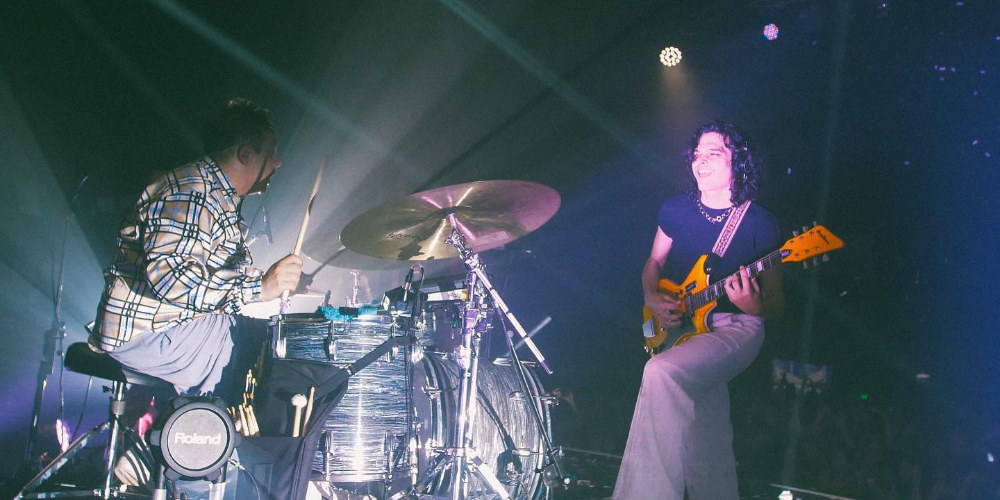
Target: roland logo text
{"points": [[195, 438]]}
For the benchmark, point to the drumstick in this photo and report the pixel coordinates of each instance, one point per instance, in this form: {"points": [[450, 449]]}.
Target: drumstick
{"points": [[305, 223], [253, 421], [309, 409], [298, 401], [247, 429]]}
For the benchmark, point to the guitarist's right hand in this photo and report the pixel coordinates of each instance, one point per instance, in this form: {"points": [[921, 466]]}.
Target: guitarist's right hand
{"points": [[664, 307]]}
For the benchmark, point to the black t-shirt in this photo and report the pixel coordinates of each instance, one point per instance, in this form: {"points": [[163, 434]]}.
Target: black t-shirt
{"points": [[693, 236]]}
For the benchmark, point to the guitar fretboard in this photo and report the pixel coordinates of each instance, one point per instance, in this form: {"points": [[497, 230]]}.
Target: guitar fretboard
{"points": [[716, 290]]}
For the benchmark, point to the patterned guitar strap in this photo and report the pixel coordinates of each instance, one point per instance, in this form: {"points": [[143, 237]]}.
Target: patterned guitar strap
{"points": [[725, 238], [732, 224]]}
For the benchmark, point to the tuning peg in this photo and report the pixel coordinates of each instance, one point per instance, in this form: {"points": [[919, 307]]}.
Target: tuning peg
{"points": [[826, 257], [805, 264], [815, 261], [795, 233], [805, 229], [815, 224]]}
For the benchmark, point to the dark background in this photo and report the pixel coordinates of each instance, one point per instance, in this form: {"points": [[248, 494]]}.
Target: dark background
{"points": [[877, 119]]}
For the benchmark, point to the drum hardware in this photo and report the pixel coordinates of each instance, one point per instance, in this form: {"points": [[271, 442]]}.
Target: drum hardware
{"points": [[444, 289], [548, 399], [331, 349], [551, 452], [406, 300], [459, 221], [352, 301], [464, 458], [327, 448]]}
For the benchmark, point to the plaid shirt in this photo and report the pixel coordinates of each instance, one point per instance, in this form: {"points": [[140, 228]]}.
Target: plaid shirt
{"points": [[181, 254]]}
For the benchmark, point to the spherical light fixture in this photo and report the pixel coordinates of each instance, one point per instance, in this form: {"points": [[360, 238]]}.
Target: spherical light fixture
{"points": [[670, 56], [771, 32]]}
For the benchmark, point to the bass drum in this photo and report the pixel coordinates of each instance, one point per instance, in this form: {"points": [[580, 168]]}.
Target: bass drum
{"points": [[504, 432]]}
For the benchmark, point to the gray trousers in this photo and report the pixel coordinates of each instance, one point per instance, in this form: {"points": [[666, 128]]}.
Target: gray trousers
{"points": [[197, 356], [681, 436]]}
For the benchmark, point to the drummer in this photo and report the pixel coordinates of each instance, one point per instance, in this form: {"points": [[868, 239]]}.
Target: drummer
{"points": [[182, 271]]}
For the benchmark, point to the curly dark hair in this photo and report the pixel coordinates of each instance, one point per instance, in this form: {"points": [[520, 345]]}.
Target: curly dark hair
{"points": [[240, 122], [747, 167]]}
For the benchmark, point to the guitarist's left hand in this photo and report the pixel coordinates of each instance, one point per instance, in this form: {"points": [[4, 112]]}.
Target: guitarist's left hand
{"points": [[744, 292]]}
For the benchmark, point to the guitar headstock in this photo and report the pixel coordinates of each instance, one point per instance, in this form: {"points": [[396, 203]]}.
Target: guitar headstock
{"points": [[813, 242]]}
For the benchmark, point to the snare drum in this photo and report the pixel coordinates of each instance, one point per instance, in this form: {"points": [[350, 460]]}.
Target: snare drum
{"points": [[366, 435]]}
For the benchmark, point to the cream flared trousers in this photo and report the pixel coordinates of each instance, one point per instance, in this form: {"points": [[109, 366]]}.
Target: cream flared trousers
{"points": [[681, 435]]}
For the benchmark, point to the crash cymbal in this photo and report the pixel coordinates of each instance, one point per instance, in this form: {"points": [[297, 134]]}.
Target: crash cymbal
{"points": [[488, 213]]}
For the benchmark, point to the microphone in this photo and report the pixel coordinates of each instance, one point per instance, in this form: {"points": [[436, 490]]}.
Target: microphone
{"points": [[417, 306], [267, 224], [408, 286]]}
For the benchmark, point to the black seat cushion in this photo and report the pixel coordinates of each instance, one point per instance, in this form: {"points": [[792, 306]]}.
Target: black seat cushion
{"points": [[80, 358]]}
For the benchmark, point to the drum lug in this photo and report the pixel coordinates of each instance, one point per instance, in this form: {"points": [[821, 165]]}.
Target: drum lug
{"points": [[390, 356], [331, 349], [328, 451], [280, 348], [432, 393], [510, 472], [387, 449]]}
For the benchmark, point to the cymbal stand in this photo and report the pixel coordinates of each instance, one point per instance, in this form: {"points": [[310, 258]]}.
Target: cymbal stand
{"points": [[463, 456], [459, 457], [475, 269]]}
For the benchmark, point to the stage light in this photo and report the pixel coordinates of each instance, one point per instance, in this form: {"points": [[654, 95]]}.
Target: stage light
{"points": [[882, 9], [771, 31], [670, 56]]}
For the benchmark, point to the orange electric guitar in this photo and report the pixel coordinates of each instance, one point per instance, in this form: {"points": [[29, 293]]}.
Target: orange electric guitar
{"points": [[698, 298]]}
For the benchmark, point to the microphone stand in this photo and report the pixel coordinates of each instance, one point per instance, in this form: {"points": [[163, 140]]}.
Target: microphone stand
{"points": [[52, 344], [551, 452]]}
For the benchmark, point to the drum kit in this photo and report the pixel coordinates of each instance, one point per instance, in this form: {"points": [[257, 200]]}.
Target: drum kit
{"points": [[431, 419]]}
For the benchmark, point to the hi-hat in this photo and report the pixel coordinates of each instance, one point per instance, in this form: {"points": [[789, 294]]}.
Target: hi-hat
{"points": [[488, 213]]}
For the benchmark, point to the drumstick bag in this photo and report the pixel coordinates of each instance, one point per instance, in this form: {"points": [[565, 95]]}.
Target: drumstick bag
{"points": [[286, 462]]}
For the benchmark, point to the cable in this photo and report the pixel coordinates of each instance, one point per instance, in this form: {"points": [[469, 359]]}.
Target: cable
{"points": [[239, 467], [83, 410], [62, 372]]}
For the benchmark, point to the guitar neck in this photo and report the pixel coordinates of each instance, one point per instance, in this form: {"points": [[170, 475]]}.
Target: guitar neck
{"points": [[716, 290]]}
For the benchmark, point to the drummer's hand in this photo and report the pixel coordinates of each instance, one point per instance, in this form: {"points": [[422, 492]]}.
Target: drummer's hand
{"points": [[664, 307], [283, 275]]}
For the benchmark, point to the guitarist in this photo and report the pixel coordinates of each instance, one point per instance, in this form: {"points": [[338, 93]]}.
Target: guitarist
{"points": [[681, 436]]}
